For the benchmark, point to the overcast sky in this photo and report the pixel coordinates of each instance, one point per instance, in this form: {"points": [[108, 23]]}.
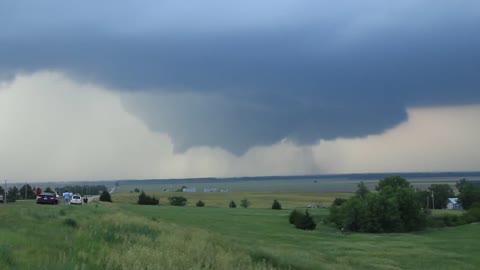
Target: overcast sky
{"points": [[157, 89]]}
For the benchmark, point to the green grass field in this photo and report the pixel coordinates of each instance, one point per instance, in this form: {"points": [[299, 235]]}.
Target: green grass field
{"points": [[130, 236], [289, 200]]}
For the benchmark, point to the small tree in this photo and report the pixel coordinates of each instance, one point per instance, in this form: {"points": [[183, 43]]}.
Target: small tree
{"points": [[136, 190], [105, 197], [305, 222], [245, 203], [48, 189], [232, 204], [276, 205], [177, 200], [200, 203]]}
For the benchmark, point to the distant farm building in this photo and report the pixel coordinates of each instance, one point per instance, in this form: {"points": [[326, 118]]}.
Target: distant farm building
{"points": [[192, 189], [453, 203], [210, 189]]}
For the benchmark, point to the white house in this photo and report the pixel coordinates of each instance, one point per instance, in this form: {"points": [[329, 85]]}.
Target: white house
{"points": [[453, 203], [189, 189]]}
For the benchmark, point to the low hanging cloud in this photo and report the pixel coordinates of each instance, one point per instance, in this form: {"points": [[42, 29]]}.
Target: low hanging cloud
{"points": [[252, 73]]}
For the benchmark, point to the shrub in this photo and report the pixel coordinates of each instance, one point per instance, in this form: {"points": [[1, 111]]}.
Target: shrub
{"points": [[136, 190], [144, 199], [200, 203], [305, 222], [178, 200], [232, 204], [105, 197], [293, 216], [276, 205], [245, 203]]}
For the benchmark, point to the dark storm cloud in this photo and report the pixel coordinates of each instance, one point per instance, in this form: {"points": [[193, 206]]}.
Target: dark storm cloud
{"points": [[252, 73]]}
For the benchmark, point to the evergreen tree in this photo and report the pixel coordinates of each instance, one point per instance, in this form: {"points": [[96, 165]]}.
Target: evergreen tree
{"points": [[305, 222], [30, 192], [245, 203], [13, 194], [232, 204], [105, 197], [276, 205], [294, 215]]}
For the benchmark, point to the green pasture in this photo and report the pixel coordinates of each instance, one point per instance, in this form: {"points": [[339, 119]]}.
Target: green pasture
{"points": [[129, 236], [288, 200]]}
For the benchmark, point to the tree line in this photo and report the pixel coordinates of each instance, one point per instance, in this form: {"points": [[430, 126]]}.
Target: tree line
{"points": [[28, 192]]}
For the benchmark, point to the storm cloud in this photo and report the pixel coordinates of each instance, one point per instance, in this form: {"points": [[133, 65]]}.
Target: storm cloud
{"points": [[241, 74]]}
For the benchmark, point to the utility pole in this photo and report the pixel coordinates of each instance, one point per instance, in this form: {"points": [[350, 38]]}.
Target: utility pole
{"points": [[433, 200], [5, 193], [25, 190]]}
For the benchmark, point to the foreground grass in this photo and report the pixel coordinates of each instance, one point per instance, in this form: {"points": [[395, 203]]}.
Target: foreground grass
{"points": [[128, 236], [101, 237]]}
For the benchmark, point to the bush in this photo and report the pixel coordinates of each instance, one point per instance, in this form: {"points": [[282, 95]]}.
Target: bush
{"points": [[144, 199], [305, 222], [276, 205], [293, 216], [136, 190], [232, 204], [105, 197], [245, 203], [200, 203], [178, 201]]}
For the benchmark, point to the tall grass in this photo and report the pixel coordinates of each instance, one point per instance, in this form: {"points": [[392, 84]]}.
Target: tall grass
{"points": [[89, 238]]}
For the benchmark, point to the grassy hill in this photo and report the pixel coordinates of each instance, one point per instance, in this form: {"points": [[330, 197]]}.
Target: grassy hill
{"points": [[129, 236]]}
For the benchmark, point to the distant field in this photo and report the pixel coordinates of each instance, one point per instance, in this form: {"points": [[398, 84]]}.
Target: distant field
{"points": [[298, 185], [288, 200], [128, 236]]}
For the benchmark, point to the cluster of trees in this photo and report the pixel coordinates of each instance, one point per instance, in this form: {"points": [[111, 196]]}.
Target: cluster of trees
{"points": [[303, 221], [147, 200], [393, 208]]}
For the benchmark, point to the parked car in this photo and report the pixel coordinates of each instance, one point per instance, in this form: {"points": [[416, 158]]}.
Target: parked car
{"points": [[47, 198], [76, 199]]}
